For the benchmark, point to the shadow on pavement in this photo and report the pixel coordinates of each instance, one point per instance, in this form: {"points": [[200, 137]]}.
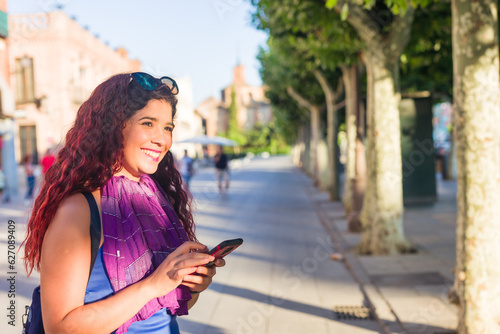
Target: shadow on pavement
{"points": [[274, 301], [326, 313], [187, 326]]}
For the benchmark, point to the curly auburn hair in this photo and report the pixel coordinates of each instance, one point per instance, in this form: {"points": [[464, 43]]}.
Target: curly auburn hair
{"points": [[93, 153]]}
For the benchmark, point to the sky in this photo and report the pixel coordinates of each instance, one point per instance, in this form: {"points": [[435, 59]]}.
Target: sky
{"points": [[199, 39]]}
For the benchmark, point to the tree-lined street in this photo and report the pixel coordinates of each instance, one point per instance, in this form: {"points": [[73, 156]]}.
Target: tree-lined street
{"points": [[439, 50], [384, 216]]}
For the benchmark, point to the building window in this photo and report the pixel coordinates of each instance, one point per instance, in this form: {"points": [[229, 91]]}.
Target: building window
{"points": [[25, 83], [27, 137]]}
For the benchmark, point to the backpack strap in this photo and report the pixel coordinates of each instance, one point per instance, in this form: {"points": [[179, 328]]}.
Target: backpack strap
{"points": [[32, 319], [95, 229]]}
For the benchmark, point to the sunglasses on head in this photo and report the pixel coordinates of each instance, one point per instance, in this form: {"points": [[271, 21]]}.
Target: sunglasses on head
{"points": [[149, 82]]}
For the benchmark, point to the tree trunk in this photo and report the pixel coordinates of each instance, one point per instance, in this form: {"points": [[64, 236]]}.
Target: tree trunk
{"points": [[449, 165], [314, 111], [350, 126], [355, 175], [333, 151], [358, 183], [298, 150], [382, 214], [477, 140], [359, 187], [315, 130]]}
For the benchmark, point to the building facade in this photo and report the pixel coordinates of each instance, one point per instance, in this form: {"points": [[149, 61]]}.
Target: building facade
{"points": [[8, 127], [252, 106], [54, 65], [188, 122]]}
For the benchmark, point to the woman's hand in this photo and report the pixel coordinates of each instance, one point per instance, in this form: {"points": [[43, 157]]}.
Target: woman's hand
{"points": [[179, 264], [199, 280]]}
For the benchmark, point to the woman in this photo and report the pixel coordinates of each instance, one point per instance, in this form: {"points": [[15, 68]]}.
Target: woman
{"points": [[149, 266]]}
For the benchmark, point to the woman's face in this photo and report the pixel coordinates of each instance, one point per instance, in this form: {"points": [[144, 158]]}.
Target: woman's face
{"points": [[147, 137]]}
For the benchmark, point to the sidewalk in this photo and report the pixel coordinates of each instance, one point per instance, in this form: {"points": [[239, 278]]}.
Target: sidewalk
{"points": [[409, 291], [281, 280]]}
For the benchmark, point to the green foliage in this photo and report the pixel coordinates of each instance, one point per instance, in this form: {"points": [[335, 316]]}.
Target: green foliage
{"points": [[344, 12], [264, 138], [277, 76], [233, 132], [261, 138], [331, 3], [303, 37], [396, 6], [427, 62], [309, 34], [233, 111]]}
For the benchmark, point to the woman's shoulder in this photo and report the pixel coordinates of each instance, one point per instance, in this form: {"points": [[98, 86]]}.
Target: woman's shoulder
{"points": [[73, 212], [75, 202], [69, 229]]}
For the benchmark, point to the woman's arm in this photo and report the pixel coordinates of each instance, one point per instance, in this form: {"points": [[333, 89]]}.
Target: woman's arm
{"points": [[65, 264]]}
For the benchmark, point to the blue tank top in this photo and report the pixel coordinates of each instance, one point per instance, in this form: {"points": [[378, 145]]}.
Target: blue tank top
{"points": [[99, 288]]}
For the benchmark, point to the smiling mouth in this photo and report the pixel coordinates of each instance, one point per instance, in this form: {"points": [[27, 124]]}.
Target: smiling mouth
{"points": [[153, 154]]}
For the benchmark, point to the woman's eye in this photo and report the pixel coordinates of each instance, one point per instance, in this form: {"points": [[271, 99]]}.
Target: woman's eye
{"points": [[169, 129], [147, 124]]}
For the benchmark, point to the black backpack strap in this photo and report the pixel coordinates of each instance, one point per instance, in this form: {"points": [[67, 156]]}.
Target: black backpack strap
{"points": [[95, 229]]}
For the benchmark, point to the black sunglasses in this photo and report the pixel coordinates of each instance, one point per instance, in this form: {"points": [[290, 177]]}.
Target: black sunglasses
{"points": [[149, 82]]}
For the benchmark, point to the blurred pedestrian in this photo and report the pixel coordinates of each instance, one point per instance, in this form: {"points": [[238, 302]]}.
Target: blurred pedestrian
{"points": [[47, 160], [29, 169], [206, 157], [6, 192], [222, 170], [2, 182], [116, 163], [186, 168], [442, 162]]}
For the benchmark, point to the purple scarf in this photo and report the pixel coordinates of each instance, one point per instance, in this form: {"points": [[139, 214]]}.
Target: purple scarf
{"points": [[140, 229]]}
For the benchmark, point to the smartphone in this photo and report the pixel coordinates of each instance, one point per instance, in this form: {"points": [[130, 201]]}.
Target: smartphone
{"points": [[223, 249]]}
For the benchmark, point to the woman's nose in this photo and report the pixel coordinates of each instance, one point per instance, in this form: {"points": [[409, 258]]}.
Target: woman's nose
{"points": [[161, 137]]}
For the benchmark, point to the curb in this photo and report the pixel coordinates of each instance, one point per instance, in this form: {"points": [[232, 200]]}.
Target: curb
{"points": [[370, 291]]}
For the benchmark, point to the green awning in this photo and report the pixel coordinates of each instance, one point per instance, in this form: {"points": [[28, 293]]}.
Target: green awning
{"points": [[4, 26]]}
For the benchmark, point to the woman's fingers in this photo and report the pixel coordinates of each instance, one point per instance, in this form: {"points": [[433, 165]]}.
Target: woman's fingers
{"points": [[190, 246], [199, 280], [187, 250], [183, 261], [196, 282], [193, 279], [207, 271], [186, 266], [181, 274], [220, 263], [193, 260]]}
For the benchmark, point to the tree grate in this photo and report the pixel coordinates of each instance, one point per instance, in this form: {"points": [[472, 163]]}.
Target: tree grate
{"points": [[352, 313]]}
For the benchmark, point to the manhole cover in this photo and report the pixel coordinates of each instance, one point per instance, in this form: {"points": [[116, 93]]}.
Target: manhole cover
{"points": [[427, 278], [352, 313]]}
